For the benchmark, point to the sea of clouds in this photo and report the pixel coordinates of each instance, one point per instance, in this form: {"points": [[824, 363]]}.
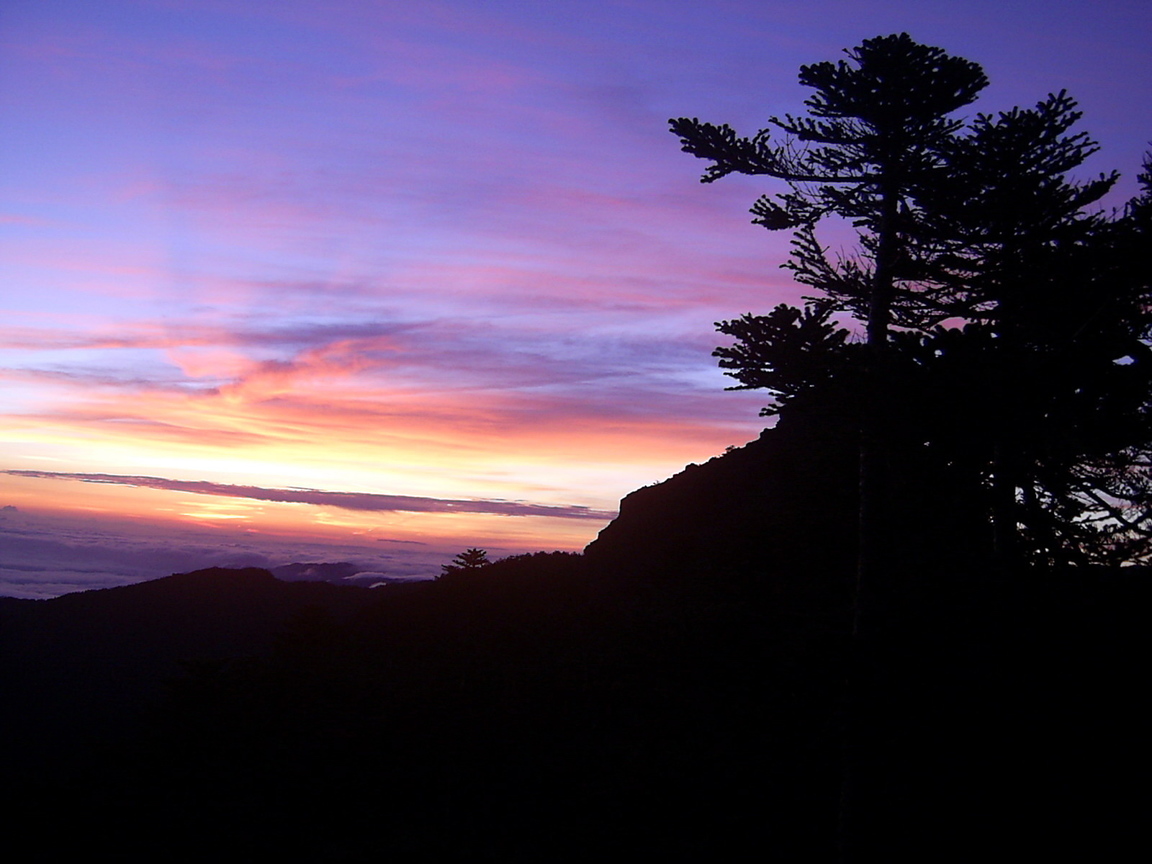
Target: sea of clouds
{"points": [[43, 556]]}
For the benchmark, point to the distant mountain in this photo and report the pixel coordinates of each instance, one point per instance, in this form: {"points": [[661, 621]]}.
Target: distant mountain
{"points": [[339, 573]]}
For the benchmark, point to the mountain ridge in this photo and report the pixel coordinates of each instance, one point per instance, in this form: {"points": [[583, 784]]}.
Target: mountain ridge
{"points": [[691, 661]]}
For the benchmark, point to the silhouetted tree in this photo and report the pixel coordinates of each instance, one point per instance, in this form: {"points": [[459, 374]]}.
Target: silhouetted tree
{"points": [[1040, 404], [1051, 378], [794, 354], [878, 128], [1061, 315], [976, 222], [466, 562]]}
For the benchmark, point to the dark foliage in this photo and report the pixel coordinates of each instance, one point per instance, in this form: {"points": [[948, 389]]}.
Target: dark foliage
{"points": [[467, 561], [878, 128], [1001, 399], [796, 355], [1021, 357]]}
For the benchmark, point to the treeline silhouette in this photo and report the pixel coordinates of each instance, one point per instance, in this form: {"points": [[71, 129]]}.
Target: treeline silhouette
{"points": [[905, 624]]}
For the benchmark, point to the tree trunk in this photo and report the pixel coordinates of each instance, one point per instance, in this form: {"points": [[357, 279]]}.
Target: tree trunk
{"points": [[863, 712]]}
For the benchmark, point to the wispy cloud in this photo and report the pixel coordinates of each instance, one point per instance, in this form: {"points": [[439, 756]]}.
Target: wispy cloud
{"points": [[344, 500]]}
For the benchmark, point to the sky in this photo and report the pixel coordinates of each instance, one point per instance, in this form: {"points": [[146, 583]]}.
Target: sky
{"points": [[379, 281]]}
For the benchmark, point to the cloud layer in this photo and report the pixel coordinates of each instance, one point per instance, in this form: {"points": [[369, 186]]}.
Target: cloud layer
{"points": [[45, 556], [343, 500]]}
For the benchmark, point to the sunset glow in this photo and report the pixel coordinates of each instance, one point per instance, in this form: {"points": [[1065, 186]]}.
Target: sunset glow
{"points": [[432, 273]]}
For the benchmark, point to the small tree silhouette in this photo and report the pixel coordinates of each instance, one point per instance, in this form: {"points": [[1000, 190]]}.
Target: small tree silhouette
{"points": [[467, 561]]}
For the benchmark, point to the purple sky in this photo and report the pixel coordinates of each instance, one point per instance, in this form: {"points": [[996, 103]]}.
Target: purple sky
{"points": [[433, 252]]}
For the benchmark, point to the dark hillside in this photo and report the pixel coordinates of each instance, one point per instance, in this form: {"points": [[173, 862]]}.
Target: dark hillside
{"points": [[675, 693], [84, 665], [776, 516]]}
